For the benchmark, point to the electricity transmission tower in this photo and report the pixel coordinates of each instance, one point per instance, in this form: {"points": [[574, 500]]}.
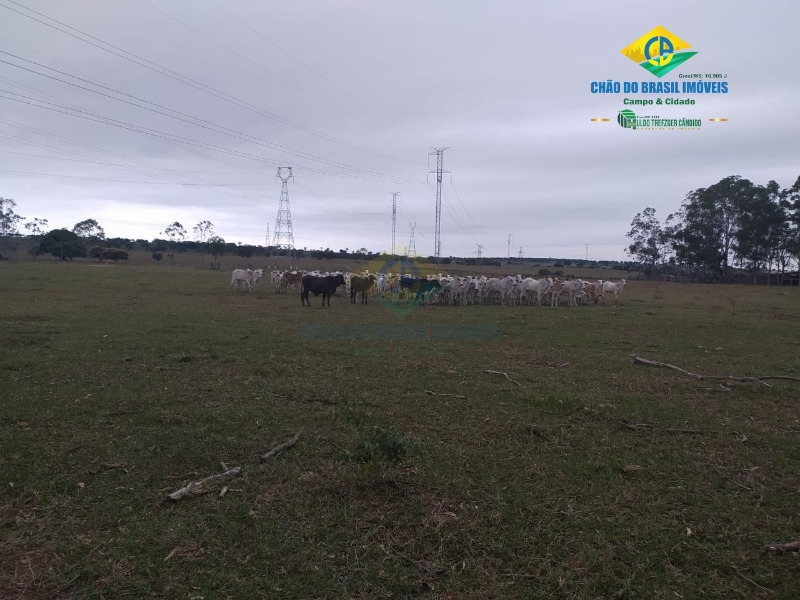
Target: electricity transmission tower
{"points": [[480, 250], [508, 252], [394, 216], [284, 236], [520, 251], [439, 152], [412, 249]]}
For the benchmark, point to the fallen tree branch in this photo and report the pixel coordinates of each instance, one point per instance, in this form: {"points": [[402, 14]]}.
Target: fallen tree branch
{"points": [[281, 447], [430, 393], [758, 379], [506, 376], [727, 477], [199, 487], [781, 548], [746, 578]]}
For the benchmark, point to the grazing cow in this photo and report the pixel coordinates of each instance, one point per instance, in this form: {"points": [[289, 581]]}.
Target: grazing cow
{"points": [[573, 288], [257, 274], [292, 278], [245, 275], [362, 285], [591, 292], [555, 291], [407, 286], [320, 285], [613, 287]]}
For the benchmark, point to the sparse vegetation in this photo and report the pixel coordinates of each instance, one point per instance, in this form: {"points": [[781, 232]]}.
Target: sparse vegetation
{"points": [[122, 384]]}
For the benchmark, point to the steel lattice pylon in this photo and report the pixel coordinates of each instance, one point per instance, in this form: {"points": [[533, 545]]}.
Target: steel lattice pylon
{"points": [[283, 238], [437, 241]]}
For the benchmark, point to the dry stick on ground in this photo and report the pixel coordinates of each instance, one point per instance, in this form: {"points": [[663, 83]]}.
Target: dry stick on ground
{"points": [[281, 447], [506, 376], [430, 393], [758, 379], [198, 487], [780, 548], [648, 427], [746, 578]]}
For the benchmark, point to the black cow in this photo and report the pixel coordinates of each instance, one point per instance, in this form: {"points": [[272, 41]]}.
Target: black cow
{"points": [[421, 288], [426, 288], [320, 285]]}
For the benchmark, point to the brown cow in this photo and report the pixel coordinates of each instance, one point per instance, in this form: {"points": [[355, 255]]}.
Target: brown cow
{"points": [[591, 292], [363, 285], [291, 278]]}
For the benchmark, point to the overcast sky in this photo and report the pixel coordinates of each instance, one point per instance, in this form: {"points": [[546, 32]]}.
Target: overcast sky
{"points": [[208, 97]]}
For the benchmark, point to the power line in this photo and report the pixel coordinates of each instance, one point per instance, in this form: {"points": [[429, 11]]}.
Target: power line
{"points": [[166, 72], [178, 115], [163, 135], [319, 74], [243, 57]]}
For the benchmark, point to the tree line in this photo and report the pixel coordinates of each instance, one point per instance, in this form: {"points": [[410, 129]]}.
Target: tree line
{"points": [[731, 229], [87, 239]]}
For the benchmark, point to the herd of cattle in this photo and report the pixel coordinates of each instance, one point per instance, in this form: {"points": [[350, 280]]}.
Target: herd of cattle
{"points": [[439, 289]]}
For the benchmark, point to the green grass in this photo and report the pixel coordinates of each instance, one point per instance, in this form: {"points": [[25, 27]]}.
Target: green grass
{"points": [[512, 492]]}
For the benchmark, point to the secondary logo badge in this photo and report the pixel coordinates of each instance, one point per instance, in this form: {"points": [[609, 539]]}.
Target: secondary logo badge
{"points": [[659, 51]]}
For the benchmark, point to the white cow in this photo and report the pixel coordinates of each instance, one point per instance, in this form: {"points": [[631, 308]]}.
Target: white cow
{"points": [[573, 288], [528, 288], [257, 274], [245, 275], [612, 287]]}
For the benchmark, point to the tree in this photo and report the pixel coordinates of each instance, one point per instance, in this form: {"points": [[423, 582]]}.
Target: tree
{"points": [[36, 228], [176, 234], [650, 240], [8, 222], [114, 254], [790, 201], [758, 229], [709, 218], [90, 231], [216, 246], [63, 244], [245, 251], [157, 256], [202, 231]]}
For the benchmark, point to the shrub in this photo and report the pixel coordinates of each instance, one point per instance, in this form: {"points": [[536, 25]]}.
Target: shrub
{"points": [[384, 445]]}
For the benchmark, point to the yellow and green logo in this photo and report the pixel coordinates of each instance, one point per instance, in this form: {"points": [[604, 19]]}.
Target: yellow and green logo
{"points": [[658, 51]]}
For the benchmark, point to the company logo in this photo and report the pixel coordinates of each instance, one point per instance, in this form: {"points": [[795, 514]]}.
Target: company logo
{"points": [[658, 51], [400, 299], [627, 119]]}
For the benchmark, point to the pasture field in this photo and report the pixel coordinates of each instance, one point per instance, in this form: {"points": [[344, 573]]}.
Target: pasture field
{"points": [[592, 478]]}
